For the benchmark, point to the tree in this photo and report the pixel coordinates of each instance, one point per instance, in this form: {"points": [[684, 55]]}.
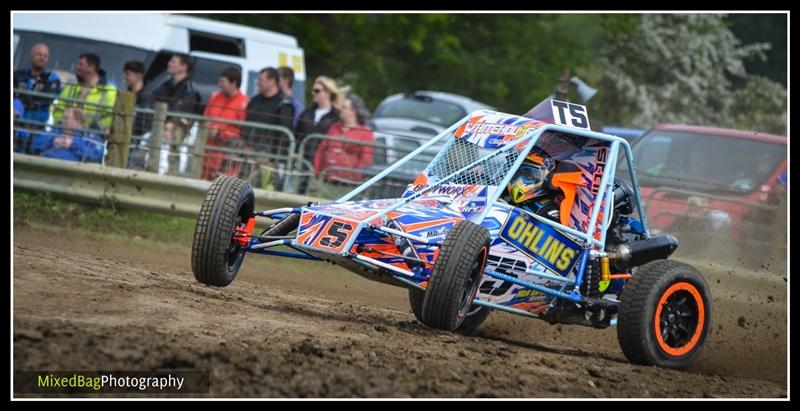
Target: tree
{"points": [[510, 61], [687, 68], [763, 27]]}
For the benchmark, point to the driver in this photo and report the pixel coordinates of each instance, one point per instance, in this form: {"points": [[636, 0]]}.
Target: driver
{"points": [[545, 187]]}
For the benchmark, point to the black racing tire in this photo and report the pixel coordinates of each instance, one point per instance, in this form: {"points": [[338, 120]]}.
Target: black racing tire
{"points": [[216, 257], [476, 315], [664, 315], [456, 276]]}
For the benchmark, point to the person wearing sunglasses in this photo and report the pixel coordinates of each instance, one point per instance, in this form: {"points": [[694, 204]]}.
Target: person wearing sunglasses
{"points": [[323, 112]]}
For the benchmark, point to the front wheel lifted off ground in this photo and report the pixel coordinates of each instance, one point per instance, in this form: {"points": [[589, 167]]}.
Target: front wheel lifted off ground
{"points": [[665, 315], [216, 255]]}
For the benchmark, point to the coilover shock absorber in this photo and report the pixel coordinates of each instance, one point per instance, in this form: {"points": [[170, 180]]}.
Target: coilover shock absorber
{"points": [[406, 247]]}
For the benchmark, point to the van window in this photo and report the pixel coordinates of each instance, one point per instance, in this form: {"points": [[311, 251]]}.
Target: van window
{"points": [[252, 88], [299, 92], [64, 52], [215, 43]]}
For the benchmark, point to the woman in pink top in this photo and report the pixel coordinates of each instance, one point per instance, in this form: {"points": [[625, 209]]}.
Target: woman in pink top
{"points": [[347, 159]]}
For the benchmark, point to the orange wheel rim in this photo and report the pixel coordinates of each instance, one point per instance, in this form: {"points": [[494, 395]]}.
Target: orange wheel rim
{"points": [[678, 291]]}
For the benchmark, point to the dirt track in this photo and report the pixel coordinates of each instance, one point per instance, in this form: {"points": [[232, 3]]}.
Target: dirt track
{"points": [[85, 303]]}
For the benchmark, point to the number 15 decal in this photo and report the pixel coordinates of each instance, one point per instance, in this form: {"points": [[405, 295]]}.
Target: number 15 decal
{"points": [[336, 234], [569, 114]]}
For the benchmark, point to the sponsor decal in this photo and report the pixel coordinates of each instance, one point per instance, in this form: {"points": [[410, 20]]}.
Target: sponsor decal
{"points": [[450, 190], [540, 241], [435, 233], [602, 157], [489, 129], [528, 293]]}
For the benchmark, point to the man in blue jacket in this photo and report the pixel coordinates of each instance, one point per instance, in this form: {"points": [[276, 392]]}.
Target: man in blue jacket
{"points": [[36, 110]]}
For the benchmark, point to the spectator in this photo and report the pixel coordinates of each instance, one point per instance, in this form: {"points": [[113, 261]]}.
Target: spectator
{"points": [[36, 78], [67, 142], [21, 136], [93, 90], [323, 112], [286, 81], [228, 103], [317, 118], [269, 106], [133, 76], [181, 97], [341, 155], [19, 109]]}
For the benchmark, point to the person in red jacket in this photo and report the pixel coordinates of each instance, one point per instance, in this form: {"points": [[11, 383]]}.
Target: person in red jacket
{"points": [[346, 158], [231, 104]]}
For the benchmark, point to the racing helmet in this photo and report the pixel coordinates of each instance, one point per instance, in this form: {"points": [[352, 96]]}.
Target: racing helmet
{"points": [[529, 180]]}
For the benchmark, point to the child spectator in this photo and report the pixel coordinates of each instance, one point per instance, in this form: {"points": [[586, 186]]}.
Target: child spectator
{"points": [[67, 142]]}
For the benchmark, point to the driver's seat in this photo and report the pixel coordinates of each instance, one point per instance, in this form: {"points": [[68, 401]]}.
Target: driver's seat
{"points": [[566, 177]]}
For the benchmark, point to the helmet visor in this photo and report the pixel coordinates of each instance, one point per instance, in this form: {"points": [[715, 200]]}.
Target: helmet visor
{"points": [[529, 174]]}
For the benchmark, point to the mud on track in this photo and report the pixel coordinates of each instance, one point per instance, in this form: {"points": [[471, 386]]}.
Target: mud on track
{"points": [[309, 330]]}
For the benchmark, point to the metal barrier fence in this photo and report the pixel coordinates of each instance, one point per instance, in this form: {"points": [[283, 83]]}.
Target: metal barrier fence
{"points": [[190, 145], [259, 153], [51, 138], [133, 189], [323, 170]]}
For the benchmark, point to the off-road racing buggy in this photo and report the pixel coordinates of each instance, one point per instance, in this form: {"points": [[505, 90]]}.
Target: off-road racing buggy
{"points": [[462, 251]]}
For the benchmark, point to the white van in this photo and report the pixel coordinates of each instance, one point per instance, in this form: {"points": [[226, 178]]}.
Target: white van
{"points": [[152, 38]]}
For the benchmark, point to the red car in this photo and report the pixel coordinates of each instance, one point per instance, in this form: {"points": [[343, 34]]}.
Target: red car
{"points": [[708, 181]]}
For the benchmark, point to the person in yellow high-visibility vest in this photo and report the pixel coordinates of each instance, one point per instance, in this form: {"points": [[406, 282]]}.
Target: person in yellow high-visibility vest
{"points": [[98, 96]]}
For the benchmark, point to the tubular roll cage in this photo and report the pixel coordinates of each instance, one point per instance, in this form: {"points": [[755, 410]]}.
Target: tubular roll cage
{"points": [[531, 136]]}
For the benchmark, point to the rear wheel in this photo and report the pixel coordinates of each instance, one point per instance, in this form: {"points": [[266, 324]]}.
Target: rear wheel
{"points": [[216, 254], [455, 278], [665, 315]]}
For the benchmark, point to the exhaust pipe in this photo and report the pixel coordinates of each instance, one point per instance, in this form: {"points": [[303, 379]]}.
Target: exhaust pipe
{"points": [[639, 252]]}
